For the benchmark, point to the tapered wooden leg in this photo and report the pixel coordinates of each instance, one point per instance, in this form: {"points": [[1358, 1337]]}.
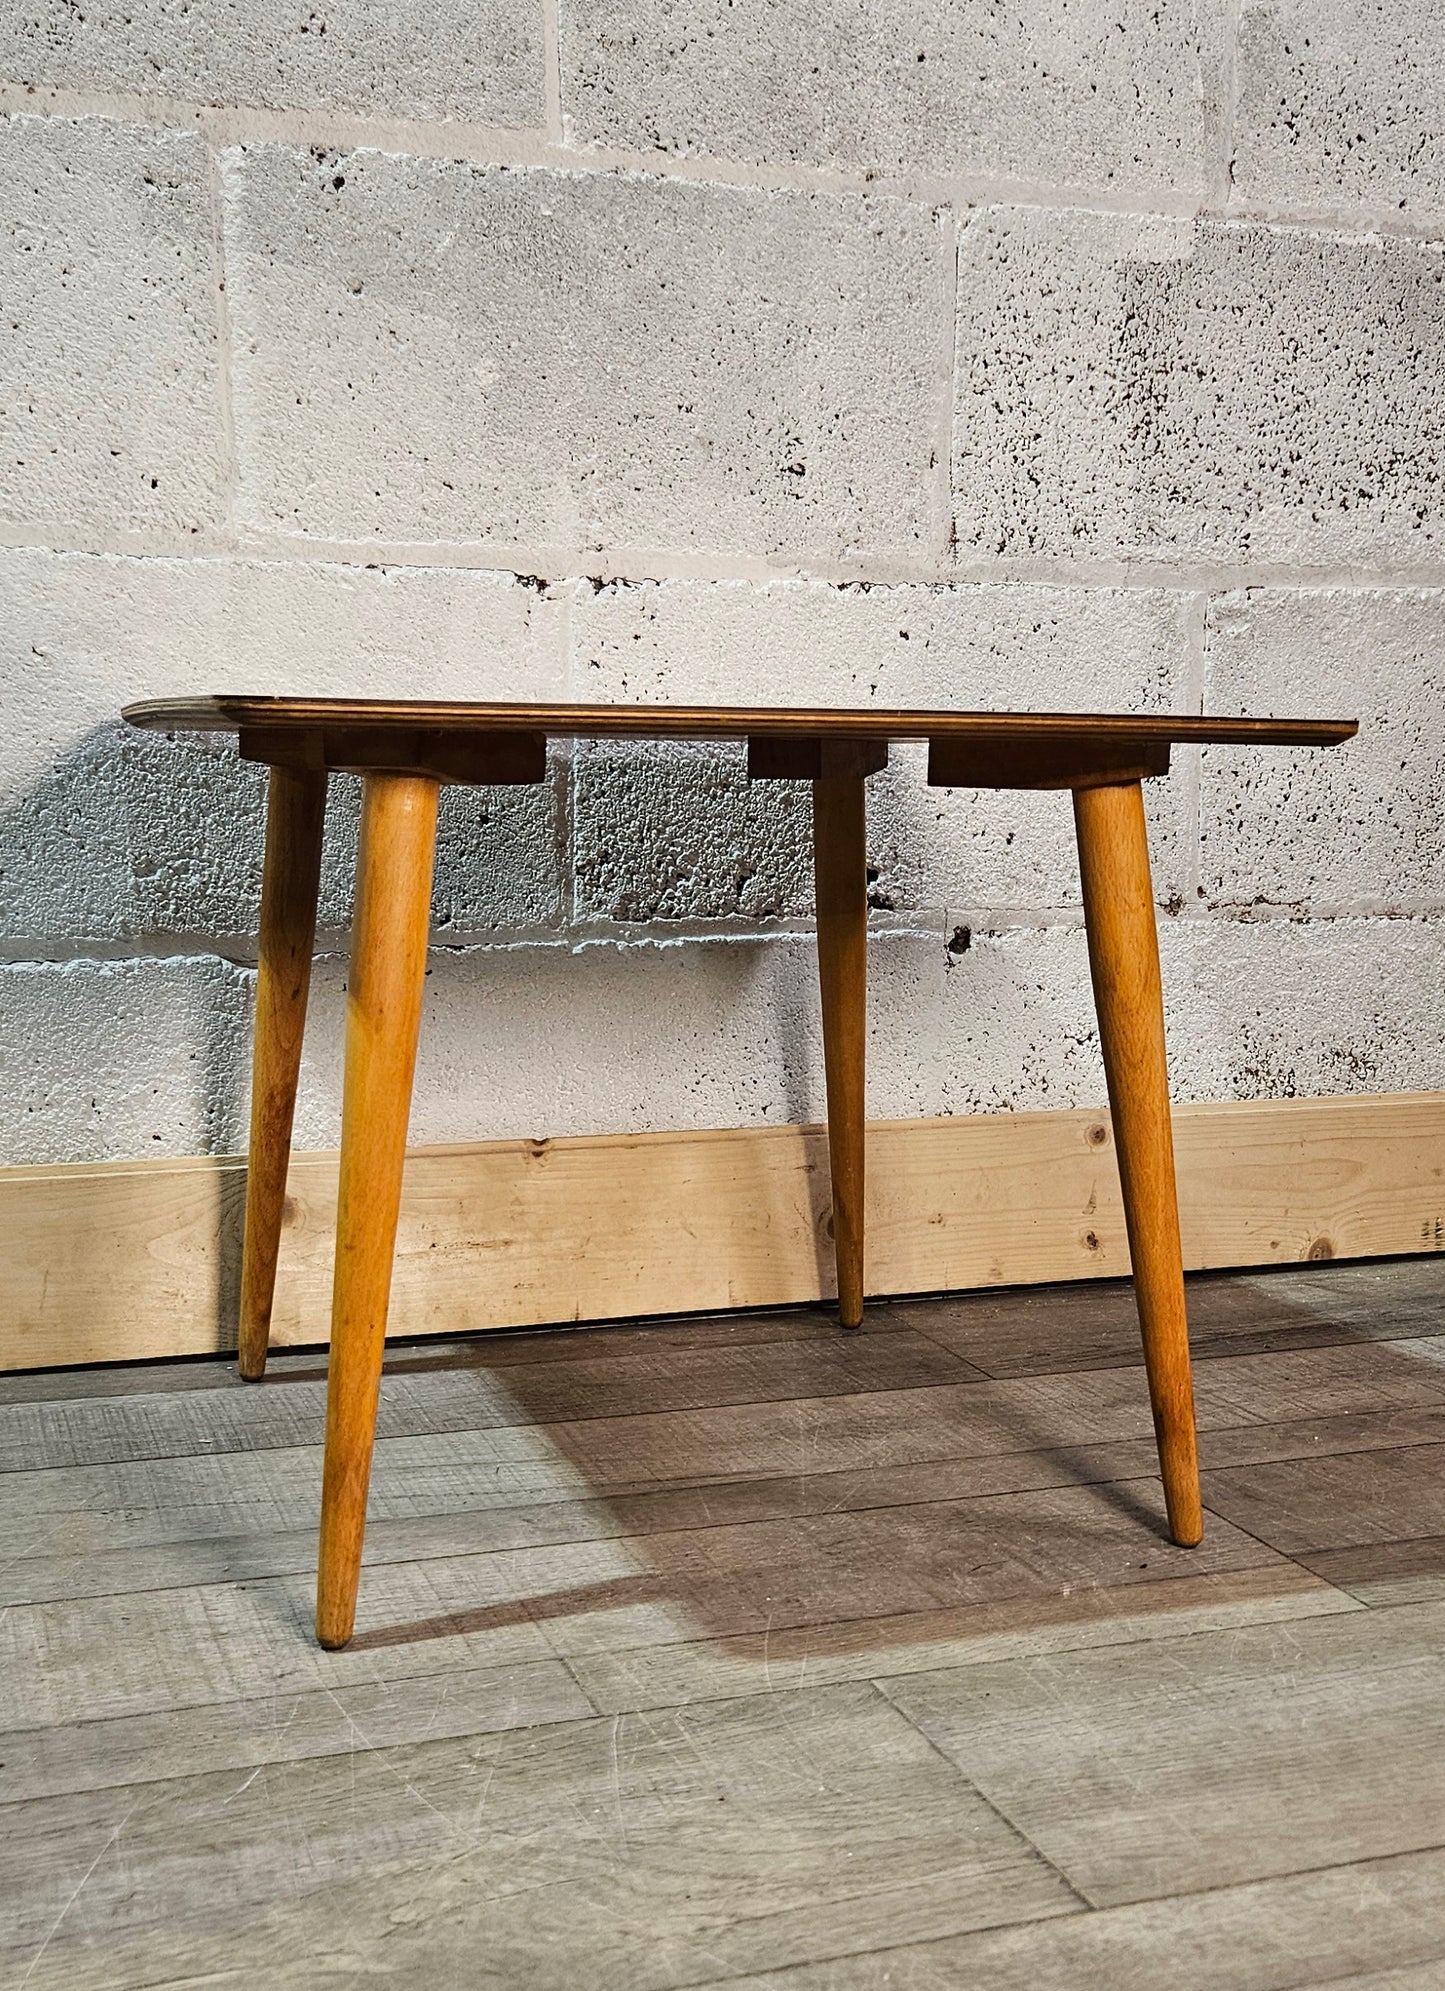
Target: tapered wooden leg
{"points": [[288, 931], [1124, 960], [383, 1013], [841, 873]]}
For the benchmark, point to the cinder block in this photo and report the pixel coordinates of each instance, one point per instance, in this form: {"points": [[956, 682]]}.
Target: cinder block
{"points": [[140, 834], [1271, 1009], [1006, 854], [478, 60], [983, 647], [674, 832], [986, 646], [109, 628], [435, 351], [108, 370], [1117, 94], [131, 835], [1003, 1024], [1339, 109], [1362, 825], [106, 832], [1254, 1010], [531, 1041], [118, 1060], [1205, 391]]}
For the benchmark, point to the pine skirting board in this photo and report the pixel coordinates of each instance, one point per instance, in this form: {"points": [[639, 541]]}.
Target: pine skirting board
{"points": [[123, 1261]]}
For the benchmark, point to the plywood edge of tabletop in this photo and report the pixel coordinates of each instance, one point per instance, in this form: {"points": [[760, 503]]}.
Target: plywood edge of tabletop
{"points": [[232, 713]]}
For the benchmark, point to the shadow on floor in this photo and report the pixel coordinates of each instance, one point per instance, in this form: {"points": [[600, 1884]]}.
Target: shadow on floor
{"points": [[980, 1461]]}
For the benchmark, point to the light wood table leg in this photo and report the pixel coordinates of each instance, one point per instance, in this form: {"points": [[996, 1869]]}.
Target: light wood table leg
{"points": [[841, 874], [1124, 960], [383, 1015], [289, 888]]}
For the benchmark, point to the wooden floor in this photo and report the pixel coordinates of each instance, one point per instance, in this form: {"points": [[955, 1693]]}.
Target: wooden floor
{"points": [[745, 1652]]}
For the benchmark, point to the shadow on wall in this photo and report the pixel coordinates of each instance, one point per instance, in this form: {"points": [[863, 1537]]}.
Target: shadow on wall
{"points": [[130, 884], [966, 1468], [135, 839], [130, 881]]}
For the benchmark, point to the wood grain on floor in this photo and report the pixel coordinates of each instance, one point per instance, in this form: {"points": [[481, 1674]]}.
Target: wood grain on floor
{"points": [[744, 1652]]}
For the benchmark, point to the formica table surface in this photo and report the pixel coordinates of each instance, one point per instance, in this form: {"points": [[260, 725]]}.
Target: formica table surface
{"points": [[226, 713]]}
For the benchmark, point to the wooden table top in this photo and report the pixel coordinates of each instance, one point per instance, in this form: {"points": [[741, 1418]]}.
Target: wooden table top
{"points": [[726, 722]]}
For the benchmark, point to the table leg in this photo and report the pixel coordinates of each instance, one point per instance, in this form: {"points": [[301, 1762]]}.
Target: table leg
{"points": [[289, 886], [841, 873], [383, 1015], [1124, 960]]}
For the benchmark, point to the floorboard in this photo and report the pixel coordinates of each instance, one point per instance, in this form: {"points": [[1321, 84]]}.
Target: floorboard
{"points": [[1384, 1573], [1352, 1925], [287, 1727], [1175, 1766], [743, 1652], [629, 1851], [1034, 1329], [1344, 1501]]}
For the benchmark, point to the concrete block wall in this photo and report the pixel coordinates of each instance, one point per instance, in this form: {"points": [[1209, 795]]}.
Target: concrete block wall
{"points": [[1069, 356]]}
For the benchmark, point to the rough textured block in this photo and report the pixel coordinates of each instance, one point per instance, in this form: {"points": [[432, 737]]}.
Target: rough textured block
{"points": [[1270, 1009], [1005, 1025], [1005, 855], [84, 633], [131, 835], [722, 1033], [473, 59], [1340, 108], [1139, 387], [112, 1060], [498, 860], [675, 832], [434, 351], [142, 834], [1364, 824], [107, 832], [975, 646], [986, 646], [1118, 93], [115, 1059], [112, 414], [1254, 1010], [150, 1057], [530, 1041]]}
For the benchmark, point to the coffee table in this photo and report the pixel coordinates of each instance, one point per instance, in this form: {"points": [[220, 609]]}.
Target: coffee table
{"points": [[405, 750]]}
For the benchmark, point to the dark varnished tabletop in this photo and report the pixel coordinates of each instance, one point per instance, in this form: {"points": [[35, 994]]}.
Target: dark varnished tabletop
{"points": [[239, 713]]}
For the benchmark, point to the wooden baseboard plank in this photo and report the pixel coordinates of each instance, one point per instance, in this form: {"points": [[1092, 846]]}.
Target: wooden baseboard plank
{"points": [[135, 1260]]}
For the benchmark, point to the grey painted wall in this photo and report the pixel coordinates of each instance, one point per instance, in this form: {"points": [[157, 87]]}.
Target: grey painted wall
{"points": [[1082, 353]]}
